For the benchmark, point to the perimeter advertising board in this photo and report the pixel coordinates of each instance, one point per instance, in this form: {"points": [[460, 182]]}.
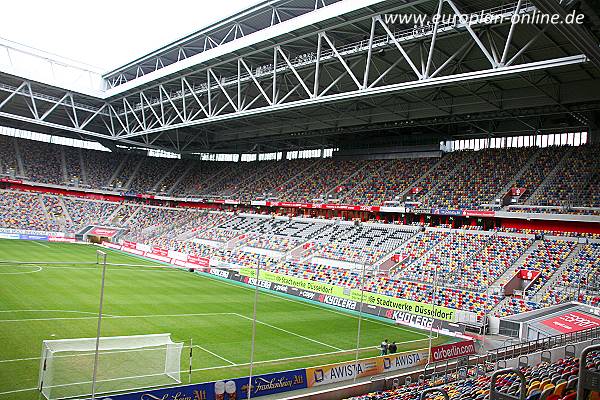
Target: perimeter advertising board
{"points": [[340, 372], [413, 307], [104, 232], [452, 350], [233, 389]]}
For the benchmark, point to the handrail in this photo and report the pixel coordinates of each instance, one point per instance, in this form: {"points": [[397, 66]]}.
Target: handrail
{"points": [[550, 342], [482, 364], [434, 390], [495, 395], [588, 379]]}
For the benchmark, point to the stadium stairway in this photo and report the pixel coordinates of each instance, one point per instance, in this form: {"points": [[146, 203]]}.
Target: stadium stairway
{"points": [[136, 169], [550, 177], [386, 257], [416, 183], [65, 211], [111, 218], [427, 196], [63, 165], [181, 177], [518, 264], [568, 263], [424, 256], [132, 216], [195, 233], [82, 168], [40, 201], [460, 270], [20, 164], [348, 194], [216, 179], [117, 170], [509, 273], [519, 174], [298, 252], [155, 188], [63, 220]]}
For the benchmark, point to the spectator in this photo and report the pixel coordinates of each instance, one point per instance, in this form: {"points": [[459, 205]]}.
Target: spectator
{"points": [[384, 347], [392, 348]]}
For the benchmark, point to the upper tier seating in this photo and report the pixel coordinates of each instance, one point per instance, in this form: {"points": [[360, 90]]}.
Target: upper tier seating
{"points": [[99, 168], [42, 162], [199, 178], [477, 179], [316, 181], [388, 181], [73, 164], [534, 174], [460, 179], [577, 180], [150, 173], [8, 159]]}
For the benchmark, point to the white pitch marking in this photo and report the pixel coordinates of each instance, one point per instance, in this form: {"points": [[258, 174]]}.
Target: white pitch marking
{"points": [[24, 272], [40, 244], [307, 356], [322, 308], [65, 311], [51, 267], [222, 366], [115, 317], [215, 354], [18, 391], [291, 333]]}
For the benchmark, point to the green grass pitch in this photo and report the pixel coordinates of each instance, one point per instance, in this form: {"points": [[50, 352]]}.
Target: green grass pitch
{"points": [[53, 301]]}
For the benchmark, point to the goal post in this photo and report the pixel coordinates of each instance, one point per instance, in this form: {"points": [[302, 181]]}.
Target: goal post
{"points": [[124, 363]]}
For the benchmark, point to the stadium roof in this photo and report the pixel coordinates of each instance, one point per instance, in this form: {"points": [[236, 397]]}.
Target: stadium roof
{"points": [[346, 75]]}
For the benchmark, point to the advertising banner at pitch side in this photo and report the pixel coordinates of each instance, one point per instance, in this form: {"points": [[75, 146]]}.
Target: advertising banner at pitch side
{"points": [[452, 350], [413, 307], [231, 389], [345, 371]]}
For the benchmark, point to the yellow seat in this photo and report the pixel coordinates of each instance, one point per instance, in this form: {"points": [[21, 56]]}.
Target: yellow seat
{"points": [[559, 390], [534, 385]]}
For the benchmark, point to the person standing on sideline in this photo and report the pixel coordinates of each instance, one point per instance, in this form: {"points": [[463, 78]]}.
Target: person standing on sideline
{"points": [[392, 348], [384, 347]]}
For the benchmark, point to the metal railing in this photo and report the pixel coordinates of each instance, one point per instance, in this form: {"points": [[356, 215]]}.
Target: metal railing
{"points": [[478, 365]]}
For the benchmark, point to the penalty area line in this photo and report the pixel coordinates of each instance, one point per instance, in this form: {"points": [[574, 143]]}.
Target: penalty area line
{"points": [[109, 316], [308, 356], [289, 332], [215, 354], [40, 244], [323, 308]]}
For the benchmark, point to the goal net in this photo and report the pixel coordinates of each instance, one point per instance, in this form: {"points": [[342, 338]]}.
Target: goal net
{"points": [[124, 363]]}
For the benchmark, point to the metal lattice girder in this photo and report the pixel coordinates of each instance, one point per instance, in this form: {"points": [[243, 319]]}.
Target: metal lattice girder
{"points": [[362, 60], [344, 71], [253, 20]]}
